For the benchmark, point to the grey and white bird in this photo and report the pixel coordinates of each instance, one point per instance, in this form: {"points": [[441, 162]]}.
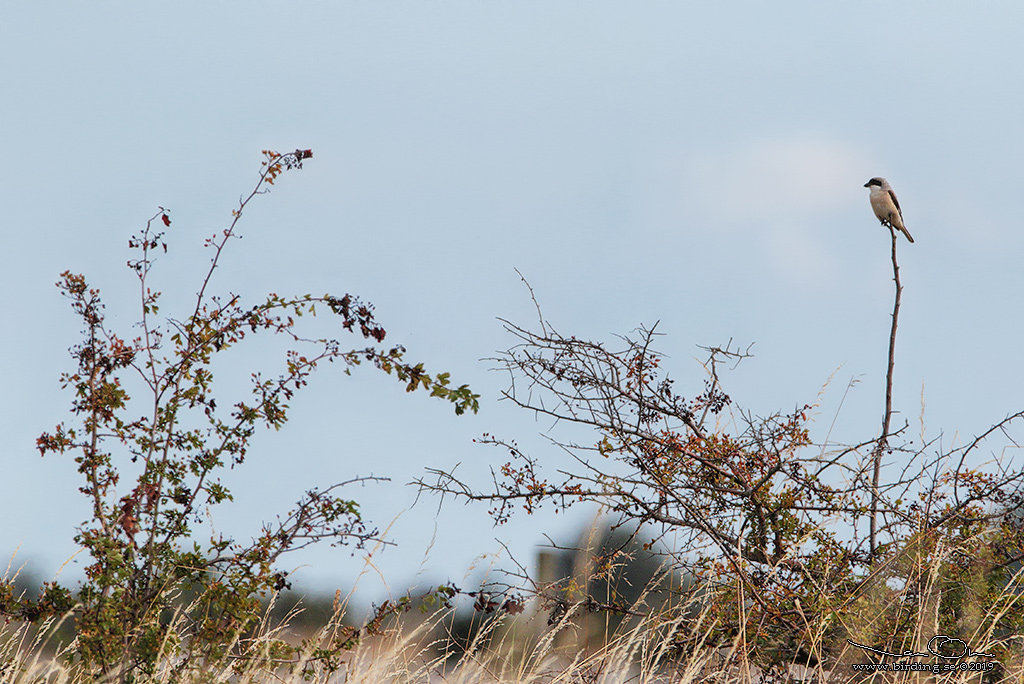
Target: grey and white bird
{"points": [[886, 206]]}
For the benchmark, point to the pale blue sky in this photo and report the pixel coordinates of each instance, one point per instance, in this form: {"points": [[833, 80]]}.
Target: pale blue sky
{"points": [[700, 164]]}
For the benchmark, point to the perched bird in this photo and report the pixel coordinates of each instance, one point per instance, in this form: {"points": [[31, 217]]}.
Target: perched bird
{"points": [[886, 206]]}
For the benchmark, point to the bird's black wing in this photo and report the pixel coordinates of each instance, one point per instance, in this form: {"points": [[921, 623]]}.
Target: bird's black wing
{"points": [[896, 202]]}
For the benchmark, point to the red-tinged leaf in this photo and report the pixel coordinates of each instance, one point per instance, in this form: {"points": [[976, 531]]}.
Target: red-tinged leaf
{"points": [[513, 607], [166, 218]]}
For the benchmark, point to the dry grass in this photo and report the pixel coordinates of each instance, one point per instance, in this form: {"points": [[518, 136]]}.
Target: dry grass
{"points": [[674, 645], [513, 650]]}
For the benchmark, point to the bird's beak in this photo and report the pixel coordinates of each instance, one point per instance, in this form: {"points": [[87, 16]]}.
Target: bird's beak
{"points": [[868, 184]]}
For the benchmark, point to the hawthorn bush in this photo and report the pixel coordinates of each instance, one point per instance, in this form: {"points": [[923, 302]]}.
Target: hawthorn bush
{"points": [[149, 463], [800, 546]]}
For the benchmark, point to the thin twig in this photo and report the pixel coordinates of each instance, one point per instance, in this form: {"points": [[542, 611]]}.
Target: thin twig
{"points": [[883, 439]]}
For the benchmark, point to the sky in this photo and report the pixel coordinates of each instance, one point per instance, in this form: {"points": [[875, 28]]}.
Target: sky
{"points": [[699, 165]]}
